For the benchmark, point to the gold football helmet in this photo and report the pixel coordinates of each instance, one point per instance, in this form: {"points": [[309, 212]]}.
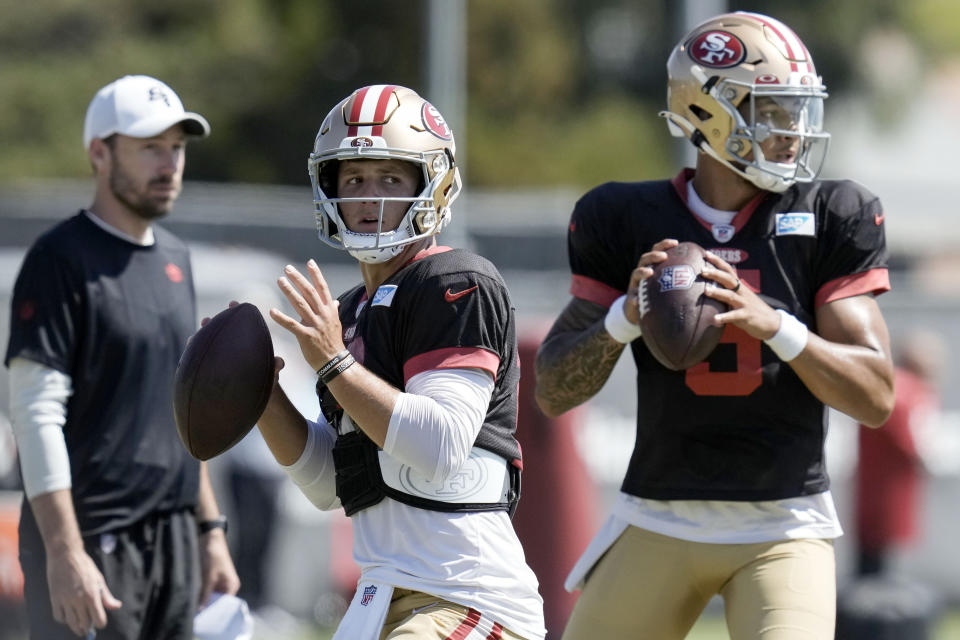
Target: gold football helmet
{"points": [[739, 78], [383, 122]]}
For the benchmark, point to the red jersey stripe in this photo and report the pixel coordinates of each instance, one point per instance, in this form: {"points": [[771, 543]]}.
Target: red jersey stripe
{"points": [[875, 281], [469, 623], [496, 633], [452, 358], [593, 291]]}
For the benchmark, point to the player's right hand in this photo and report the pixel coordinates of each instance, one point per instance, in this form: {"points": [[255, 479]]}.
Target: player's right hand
{"points": [[644, 269], [78, 592]]}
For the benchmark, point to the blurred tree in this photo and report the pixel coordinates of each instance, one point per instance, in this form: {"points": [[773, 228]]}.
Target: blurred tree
{"points": [[561, 92]]}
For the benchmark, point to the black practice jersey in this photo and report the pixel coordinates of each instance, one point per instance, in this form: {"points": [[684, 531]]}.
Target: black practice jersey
{"points": [[446, 309], [115, 316], [741, 425]]}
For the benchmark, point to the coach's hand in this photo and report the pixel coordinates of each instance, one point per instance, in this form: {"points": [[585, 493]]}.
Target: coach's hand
{"points": [[78, 592]]}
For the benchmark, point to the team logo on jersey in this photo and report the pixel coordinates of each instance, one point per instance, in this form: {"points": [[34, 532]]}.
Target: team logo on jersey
{"points": [[384, 296], [173, 272], [717, 49], [729, 254], [434, 122], [796, 224], [368, 593], [723, 232], [680, 276]]}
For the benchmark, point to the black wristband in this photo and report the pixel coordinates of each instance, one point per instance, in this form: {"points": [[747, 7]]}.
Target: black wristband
{"points": [[343, 355], [206, 526], [339, 367]]}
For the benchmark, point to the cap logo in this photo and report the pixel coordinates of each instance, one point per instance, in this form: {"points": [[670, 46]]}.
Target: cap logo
{"points": [[434, 122], [156, 93], [361, 142], [717, 49]]}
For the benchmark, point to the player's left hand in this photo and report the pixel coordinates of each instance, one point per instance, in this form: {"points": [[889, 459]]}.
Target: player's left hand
{"points": [[217, 571], [318, 331], [747, 310]]}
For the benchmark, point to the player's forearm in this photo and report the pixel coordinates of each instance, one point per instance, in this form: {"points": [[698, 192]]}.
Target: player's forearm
{"points": [[854, 380], [57, 521], [572, 367], [283, 428], [367, 399]]}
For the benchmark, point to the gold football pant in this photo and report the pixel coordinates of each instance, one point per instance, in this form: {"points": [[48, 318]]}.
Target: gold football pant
{"points": [[419, 616], [655, 587]]}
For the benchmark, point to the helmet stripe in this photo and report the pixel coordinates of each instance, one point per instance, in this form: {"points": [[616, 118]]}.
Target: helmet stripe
{"points": [[358, 100], [791, 42], [369, 106], [381, 111]]}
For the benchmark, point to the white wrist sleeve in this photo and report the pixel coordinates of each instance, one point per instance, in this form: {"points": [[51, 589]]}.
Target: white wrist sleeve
{"points": [[38, 411], [313, 472], [435, 423], [790, 339], [617, 324]]}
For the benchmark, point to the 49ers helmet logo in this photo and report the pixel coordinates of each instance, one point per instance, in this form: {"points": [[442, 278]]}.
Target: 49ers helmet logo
{"points": [[717, 49], [434, 122]]}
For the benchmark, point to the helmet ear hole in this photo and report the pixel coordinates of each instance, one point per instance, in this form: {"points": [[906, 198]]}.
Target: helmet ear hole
{"points": [[700, 112]]}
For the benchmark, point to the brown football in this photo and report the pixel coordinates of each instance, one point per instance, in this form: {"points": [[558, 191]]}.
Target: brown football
{"points": [[676, 318], [223, 381]]}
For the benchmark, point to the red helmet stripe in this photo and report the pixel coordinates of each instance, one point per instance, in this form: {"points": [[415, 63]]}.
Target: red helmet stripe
{"points": [[381, 111], [358, 99], [790, 40]]}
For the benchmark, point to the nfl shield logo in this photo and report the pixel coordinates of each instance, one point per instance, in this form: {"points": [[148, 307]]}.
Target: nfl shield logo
{"points": [[368, 593], [679, 276]]}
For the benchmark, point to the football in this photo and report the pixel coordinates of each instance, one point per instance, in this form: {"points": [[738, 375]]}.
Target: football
{"points": [[676, 318], [223, 381]]}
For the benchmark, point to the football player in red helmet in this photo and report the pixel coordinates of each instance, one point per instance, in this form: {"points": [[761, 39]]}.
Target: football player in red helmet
{"points": [[418, 376], [726, 492]]}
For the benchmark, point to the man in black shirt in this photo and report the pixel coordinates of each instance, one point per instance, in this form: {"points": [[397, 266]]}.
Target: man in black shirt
{"points": [[726, 491], [101, 311]]}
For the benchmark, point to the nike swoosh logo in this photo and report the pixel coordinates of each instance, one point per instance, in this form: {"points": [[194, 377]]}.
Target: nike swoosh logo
{"points": [[878, 218], [450, 296]]}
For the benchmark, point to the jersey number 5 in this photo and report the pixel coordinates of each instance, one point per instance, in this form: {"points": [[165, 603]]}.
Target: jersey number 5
{"points": [[748, 376]]}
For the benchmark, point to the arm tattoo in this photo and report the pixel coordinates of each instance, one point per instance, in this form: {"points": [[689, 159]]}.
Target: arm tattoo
{"points": [[575, 359]]}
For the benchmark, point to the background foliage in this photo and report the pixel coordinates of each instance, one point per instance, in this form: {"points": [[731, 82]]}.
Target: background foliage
{"points": [[560, 92]]}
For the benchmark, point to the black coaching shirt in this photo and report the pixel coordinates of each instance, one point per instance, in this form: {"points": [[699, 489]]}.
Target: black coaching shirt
{"points": [[741, 425], [115, 317], [446, 309]]}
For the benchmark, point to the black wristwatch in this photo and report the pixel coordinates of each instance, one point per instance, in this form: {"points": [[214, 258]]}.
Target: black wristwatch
{"points": [[206, 526]]}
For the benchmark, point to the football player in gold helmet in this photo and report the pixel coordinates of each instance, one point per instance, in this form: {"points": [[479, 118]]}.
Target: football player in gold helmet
{"points": [[418, 376], [726, 492]]}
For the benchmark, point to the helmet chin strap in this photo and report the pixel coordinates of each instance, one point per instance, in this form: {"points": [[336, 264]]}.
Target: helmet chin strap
{"points": [[758, 178]]}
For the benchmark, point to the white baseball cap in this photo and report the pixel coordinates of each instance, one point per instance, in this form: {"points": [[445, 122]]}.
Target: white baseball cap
{"points": [[140, 107]]}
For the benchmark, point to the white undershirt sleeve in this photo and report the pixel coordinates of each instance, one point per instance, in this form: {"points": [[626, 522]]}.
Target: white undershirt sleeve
{"points": [[38, 411], [436, 421], [313, 472]]}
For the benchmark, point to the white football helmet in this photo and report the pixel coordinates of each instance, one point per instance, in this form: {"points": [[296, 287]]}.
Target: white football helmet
{"points": [[739, 78], [383, 122]]}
